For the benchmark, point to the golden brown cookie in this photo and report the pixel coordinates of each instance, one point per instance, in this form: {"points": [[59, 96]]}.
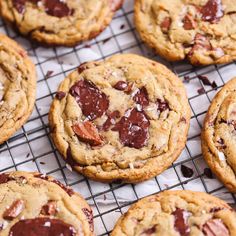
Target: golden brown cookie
{"points": [[178, 213], [36, 204], [202, 31], [57, 22], [125, 118], [218, 135], [17, 87]]}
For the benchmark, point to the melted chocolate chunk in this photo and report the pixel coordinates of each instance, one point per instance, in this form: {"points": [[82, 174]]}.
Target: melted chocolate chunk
{"points": [[111, 119], [189, 22], [162, 105], [133, 129], [68, 190], [212, 11], [4, 178], [121, 85], [42, 226], [215, 227], [60, 95], [141, 97], [216, 209], [55, 8], [181, 222], [92, 101], [89, 215], [150, 231], [186, 171], [165, 24]]}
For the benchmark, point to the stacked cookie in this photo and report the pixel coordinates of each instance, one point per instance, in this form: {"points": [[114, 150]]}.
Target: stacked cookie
{"points": [[124, 119]]}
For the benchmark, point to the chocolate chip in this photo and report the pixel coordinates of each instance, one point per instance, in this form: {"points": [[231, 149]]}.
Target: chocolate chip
{"points": [[88, 133], [42, 226], [189, 22], [215, 227], [120, 85], [92, 101], [133, 129], [89, 215], [165, 24], [186, 171], [141, 97], [212, 11], [49, 209], [162, 105], [208, 173], [60, 95], [14, 210], [111, 119], [181, 222], [149, 231]]}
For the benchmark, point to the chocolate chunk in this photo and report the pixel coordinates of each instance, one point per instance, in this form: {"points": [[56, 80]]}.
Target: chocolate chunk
{"points": [[216, 209], [88, 133], [120, 85], [165, 24], [60, 95], [14, 210], [68, 190], [4, 178], [204, 80], [212, 11], [89, 215], [181, 222], [57, 8], [215, 227], [42, 226], [133, 129], [208, 173], [111, 119], [162, 105], [49, 209], [189, 22], [149, 231], [186, 171], [201, 42], [92, 101], [141, 97]]}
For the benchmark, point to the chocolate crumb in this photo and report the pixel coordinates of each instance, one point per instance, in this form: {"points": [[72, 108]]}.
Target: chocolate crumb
{"points": [[122, 26], [208, 173], [106, 40], [201, 91], [187, 79], [49, 74], [204, 80], [186, 171]]}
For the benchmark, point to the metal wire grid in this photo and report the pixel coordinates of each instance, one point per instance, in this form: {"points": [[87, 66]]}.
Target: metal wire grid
{"points": [[31, 149]]}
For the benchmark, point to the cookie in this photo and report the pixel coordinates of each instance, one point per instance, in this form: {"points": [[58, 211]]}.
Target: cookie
{"points": [[57, 22], [122, 119], [203, 31], [173, 213], [36, 204], [17, 87], [218, 135]]}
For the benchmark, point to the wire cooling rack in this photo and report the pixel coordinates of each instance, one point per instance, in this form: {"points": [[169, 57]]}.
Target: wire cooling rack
{"points": [[31, 148]]}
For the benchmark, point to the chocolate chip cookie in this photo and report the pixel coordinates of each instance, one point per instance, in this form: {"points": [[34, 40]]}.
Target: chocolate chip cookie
{"points": [[57, 22], [35, 204], [125, 118], [218, 135], [173, 213], [17, 87], [202, 31]]}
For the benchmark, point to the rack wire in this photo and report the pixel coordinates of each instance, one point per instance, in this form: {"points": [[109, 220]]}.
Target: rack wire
{"points": [[31, 148]]}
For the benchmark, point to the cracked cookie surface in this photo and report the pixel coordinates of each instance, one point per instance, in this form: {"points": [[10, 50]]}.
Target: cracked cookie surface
{"points": [[175, 213], [36, 204], [219, 135], [203, 31], [56, 22], [17, 87], [125, 118]]}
